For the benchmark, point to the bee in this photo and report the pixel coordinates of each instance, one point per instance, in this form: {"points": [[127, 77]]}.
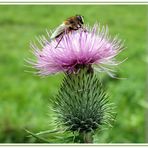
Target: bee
{"points": [[72, 23]]}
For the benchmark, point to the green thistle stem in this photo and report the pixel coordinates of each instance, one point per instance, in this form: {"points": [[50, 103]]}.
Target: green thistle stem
{"points": [[87, 137]]}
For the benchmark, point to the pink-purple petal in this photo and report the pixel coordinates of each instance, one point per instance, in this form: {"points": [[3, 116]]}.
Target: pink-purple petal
{"points": [[91, 47]]}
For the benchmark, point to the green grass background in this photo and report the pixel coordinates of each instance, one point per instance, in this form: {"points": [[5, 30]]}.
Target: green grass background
{"points": [[24, 97]]}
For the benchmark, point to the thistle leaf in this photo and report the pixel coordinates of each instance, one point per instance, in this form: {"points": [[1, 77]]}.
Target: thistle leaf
{"points": [[37, 137]]}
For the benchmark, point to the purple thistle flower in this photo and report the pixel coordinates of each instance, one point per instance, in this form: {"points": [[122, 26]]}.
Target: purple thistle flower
{"points": [[93, 48]]}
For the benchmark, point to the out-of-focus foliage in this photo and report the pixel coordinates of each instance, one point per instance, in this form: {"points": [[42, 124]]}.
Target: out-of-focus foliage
{"points": [[24, 97]]}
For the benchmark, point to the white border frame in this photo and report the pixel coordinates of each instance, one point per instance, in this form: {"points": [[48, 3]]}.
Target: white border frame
{"points": [[75, 2]]}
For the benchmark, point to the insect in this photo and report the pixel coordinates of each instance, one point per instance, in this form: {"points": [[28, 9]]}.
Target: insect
{"points": [[72, 23]]}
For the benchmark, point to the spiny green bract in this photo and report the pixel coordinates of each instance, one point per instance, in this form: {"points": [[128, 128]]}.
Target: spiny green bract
{"points": [[81, 104]]}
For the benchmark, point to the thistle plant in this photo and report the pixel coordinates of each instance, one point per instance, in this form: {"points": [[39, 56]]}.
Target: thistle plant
{"points": [[81, 105]]}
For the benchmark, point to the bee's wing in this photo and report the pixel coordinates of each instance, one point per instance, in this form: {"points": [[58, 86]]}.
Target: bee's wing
{"points": [[58, 31]]}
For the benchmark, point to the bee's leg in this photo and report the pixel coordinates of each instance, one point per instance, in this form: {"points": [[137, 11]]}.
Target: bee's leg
{"points": [[59, 40], [84, 29]]}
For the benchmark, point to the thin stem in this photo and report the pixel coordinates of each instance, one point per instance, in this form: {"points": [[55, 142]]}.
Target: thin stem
{"points": [[87, 137]]}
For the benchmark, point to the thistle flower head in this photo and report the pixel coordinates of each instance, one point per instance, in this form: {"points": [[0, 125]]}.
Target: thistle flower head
{"points": [[93, 48]]}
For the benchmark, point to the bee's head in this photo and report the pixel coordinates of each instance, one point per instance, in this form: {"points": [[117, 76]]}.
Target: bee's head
{"points": [[80, 18]]}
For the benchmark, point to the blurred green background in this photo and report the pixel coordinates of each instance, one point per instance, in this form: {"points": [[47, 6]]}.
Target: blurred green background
{"points": [[24, 97]]}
